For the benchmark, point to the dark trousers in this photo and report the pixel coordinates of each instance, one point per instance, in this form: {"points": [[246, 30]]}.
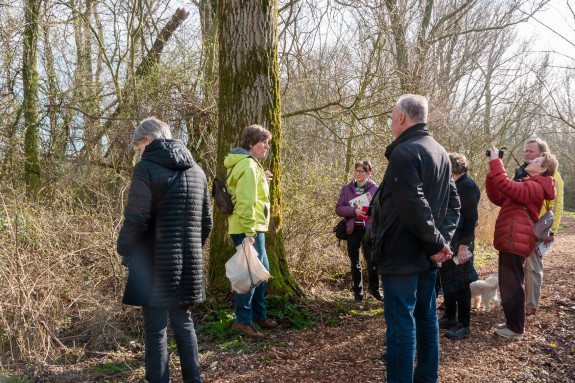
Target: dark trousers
{"points": [[512, 290], [155, 326], [460, 303], [354, 243]]}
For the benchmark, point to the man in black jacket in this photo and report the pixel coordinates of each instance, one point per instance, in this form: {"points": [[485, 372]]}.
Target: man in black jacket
{"points": [[167, 221], [413, 220]]}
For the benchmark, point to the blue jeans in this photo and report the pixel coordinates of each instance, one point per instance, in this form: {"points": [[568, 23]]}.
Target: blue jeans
{"points": [[155, 326], [411, 317], [250, 307]]}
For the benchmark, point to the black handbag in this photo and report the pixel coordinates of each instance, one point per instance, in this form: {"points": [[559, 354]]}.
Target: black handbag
{"points": [[222, 197], [340, 231]]}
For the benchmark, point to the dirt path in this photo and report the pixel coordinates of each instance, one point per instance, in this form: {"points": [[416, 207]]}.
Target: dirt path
{"points": [[352, 351]]}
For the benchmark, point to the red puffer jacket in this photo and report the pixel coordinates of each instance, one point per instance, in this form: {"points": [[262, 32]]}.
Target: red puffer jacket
{"points": [[514, 228]]}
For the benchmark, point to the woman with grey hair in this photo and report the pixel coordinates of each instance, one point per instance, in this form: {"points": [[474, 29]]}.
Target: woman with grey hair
{"points": [[167, 221], [457, 273]]}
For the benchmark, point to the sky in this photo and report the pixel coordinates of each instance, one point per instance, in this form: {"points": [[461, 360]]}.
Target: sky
{"points": [[556, 16]]}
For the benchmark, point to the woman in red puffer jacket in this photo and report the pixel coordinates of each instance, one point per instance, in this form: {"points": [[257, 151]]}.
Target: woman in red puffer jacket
{"points": [[514, 237]]}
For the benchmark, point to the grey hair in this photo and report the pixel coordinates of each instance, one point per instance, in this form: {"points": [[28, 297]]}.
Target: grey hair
{"points": [[152, 128], [414, 106], [543, 146]]}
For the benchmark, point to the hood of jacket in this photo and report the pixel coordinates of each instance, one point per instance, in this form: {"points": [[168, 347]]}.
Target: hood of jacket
{"points": [[171, 154], [548, 184], [235, 156]]}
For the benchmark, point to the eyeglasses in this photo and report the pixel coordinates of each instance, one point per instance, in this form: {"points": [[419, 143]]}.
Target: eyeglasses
{"points": [[360, 171]]}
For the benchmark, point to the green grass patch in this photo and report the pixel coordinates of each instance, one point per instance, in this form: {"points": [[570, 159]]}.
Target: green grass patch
{"points": [[569, 213], [112, 368], [218, 325], [481, 258], [333, 322], [13, 379], [292, 315]]}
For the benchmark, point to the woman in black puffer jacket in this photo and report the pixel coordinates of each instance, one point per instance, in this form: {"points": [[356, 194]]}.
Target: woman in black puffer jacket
{"points": [[167, 221]]}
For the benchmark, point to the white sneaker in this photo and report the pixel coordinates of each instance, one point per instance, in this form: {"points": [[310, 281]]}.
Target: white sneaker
{"points": [[500, 325], [506, 333]]}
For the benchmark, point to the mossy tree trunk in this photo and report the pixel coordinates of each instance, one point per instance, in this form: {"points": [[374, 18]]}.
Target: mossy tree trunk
{"points": [[249, 94], [30, 86]]}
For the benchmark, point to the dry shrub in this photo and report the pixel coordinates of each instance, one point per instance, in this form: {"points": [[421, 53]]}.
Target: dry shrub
{"points": [[486, 224], [60, 279], [310, 195]]}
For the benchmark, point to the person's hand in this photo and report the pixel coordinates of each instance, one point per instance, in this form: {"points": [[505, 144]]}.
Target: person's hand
{"points": [[269, 175], [359, 213], [550, 238], [251, 239], [442, 256], [494, 154], [463, 254]]}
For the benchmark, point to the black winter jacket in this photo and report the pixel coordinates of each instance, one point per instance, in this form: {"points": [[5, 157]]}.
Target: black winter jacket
{"points": [[167, 221], [417, 207], [456, 277]]}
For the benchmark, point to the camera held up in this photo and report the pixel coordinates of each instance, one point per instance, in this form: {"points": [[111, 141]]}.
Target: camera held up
{"points": [[501, 151]]}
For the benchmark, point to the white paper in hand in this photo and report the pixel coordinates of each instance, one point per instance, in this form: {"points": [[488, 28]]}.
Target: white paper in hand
{"points": [[244, 270]]}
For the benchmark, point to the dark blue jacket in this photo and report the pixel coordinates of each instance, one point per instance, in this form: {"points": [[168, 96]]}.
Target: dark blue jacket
{"points": [[417, 207], [456, 277], [167, 220]]}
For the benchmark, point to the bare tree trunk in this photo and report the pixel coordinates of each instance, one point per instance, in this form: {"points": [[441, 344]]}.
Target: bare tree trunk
{"points": [[30, 85], [249, 93]]}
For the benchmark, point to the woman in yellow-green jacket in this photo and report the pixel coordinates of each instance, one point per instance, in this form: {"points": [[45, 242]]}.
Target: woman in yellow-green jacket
{"points": [[248, 185]]}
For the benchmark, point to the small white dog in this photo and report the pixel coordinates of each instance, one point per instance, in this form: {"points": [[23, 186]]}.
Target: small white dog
{"points": [[485, 291]]}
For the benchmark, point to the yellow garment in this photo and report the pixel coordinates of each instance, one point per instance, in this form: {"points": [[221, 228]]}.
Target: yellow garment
{"points": [[250, 194], [555, 205]]}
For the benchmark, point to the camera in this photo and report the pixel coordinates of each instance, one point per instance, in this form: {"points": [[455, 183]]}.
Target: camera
{"points": [[501, 151]]}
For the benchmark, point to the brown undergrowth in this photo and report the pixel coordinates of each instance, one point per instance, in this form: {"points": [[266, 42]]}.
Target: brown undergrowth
{"points": [[61, 319]]}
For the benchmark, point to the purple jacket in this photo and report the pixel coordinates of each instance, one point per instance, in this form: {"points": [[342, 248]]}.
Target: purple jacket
{"points": [[344, 209]]}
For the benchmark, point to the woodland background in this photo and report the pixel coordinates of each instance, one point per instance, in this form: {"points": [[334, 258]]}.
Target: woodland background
{"points": [[77, 76]]}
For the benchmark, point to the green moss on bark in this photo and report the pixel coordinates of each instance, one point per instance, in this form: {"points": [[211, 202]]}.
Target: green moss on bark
{"points": [[249, 94]]}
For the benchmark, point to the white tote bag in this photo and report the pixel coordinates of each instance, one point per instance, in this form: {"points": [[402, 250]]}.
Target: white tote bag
{"points": [[244, 270]]}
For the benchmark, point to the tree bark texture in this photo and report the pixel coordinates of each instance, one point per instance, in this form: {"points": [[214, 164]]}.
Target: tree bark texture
{"points": [[249, 94], [30, 87]]}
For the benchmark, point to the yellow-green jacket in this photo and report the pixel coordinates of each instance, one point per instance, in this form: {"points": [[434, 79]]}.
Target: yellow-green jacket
{"points": [[556, 205], [250, 194]]}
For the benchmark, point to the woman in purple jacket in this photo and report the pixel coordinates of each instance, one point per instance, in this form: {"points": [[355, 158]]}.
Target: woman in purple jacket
{"points": [[357, 222]]}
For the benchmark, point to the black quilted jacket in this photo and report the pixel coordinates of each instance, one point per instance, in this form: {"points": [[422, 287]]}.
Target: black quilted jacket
{"points": [[166, 223]]}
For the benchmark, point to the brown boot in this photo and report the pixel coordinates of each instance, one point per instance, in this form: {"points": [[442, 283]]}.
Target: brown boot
{"points": [[247, 329], [267, 323]]}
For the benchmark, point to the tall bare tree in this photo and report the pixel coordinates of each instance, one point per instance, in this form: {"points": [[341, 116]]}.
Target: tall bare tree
{"points": [[249, 93], [30, 86]]}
